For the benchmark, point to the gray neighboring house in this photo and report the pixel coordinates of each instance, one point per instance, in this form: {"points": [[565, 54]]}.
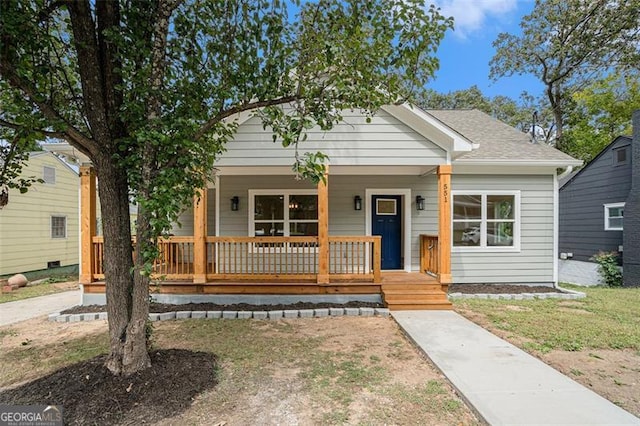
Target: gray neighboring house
{"points": [[593, 203]]}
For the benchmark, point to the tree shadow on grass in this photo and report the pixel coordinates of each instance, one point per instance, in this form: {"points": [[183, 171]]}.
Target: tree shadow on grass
{"points": [[90, 394]]}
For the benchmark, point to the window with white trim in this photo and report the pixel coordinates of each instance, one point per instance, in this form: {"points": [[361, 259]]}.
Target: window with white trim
{"points": [[58, 227], [613, 216], [283, 213], [486, 220]]}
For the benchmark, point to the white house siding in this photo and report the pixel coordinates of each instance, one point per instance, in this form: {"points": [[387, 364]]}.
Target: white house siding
{"points": [[383, 141], [25, 223], [343, 219], [534, 262]]}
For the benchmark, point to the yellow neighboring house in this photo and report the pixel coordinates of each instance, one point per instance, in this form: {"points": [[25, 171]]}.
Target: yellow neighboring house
{"points": [[40, 229]]}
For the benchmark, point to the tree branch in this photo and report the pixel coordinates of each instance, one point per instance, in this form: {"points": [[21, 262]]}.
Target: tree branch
{"points": [[241, 108], [73, 135], [48, 133]]}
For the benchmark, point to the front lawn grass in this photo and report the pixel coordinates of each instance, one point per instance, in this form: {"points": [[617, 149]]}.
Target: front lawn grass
{"points": [[606, 319]]}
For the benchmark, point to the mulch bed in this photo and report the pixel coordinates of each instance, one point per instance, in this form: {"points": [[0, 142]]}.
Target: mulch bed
{"points": [[158, 308], [90, 394], [500, 289]]}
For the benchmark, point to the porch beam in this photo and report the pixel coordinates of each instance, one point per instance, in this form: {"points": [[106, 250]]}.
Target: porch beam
{"points": [[87, 222], [444, 224], [199, 237], [323, 228]]}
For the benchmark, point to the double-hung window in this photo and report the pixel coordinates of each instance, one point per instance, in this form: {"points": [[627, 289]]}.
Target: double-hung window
{"points": [[613, 216], [283, 213], [58, 227], [486, 220]]}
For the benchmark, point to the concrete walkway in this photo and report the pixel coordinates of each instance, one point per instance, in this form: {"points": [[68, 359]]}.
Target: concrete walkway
{"points": [[21, 310], [504, 384]]}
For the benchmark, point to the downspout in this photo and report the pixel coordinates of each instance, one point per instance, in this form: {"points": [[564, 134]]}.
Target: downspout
{"points": [[566, 172]]}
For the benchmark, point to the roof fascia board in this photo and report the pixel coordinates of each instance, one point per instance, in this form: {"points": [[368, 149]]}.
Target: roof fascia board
{"points": [[476, 169], [430, 127], [594, 159], [519, 163]]}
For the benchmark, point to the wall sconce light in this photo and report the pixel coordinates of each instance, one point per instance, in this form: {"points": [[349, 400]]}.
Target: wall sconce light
{"points": [[357, 203], [235, 203], [420, 202]]}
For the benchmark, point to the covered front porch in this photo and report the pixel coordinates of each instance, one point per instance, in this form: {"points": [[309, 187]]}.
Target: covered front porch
{"points": [[322, 264]]}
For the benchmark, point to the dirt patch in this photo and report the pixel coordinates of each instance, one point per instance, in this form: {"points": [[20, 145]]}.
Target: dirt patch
{"points": [[68, 285], [346, 370], [500, 289], [613, 374], [90, 394], [164, 307]]}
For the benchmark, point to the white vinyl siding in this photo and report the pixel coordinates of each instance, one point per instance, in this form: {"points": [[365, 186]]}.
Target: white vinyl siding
{"points": [[383, 141], [534, 262]]}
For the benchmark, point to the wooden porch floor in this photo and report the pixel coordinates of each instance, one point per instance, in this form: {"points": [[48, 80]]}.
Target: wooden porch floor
{"points": [[399, 290]]}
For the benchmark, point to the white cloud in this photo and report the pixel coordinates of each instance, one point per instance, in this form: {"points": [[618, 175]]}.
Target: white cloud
{"points": [[470, 15]]}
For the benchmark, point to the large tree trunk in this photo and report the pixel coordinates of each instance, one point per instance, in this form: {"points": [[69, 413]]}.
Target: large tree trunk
{"points": [[127, 302]]}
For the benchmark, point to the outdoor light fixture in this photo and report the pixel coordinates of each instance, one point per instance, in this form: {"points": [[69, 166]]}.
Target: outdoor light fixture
{"points": [[420, 202], [357, 203], [235, 203]]}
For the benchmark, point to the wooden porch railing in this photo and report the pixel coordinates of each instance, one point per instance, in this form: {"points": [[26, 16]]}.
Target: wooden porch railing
{"points": [[429, 254], [175, 261], [261, 258]]}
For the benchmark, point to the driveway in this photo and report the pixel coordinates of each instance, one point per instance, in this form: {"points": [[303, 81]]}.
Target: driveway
{"points": [[20, 310]]}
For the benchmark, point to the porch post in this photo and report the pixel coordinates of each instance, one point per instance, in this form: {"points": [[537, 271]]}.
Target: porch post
{"points": [[323, 228], [87, 221], [199, 237], [444, 224]]}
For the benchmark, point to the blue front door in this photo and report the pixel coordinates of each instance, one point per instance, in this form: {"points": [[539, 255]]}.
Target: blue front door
{"points": [[387, 222]]}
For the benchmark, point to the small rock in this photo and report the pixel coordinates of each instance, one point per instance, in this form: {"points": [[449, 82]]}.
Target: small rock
{"points": [[18, 280]]}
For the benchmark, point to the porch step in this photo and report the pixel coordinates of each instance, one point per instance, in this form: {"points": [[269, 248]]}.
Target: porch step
{"points": [[411, 286], [415, 297], [444, 306]]}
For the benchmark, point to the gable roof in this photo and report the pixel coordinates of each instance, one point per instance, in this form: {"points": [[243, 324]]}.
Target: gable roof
{"points": [[573, 175], [498, 142], [67, 166]]}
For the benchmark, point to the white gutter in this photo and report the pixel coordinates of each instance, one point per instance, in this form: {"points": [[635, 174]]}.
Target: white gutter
{"points": [[550, 163], [566, 172]]}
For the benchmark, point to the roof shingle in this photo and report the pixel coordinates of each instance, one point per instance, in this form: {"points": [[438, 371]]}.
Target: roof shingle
{"points": [[497, 141]]}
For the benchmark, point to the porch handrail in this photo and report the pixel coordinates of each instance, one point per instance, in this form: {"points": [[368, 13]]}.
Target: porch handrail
{"points": [[429, 254], [356, 258]]}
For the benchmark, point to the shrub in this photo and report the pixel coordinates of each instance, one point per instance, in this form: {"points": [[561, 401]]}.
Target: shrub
{"points": [[608, 268]]}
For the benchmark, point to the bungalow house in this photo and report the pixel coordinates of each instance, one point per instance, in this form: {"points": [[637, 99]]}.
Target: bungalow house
{"points": [[39, 229], [594, 201], [413, 201]]}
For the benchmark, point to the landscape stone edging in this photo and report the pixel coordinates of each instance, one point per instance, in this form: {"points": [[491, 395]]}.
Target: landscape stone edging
{"points": [[261, 315], [568, 294]]}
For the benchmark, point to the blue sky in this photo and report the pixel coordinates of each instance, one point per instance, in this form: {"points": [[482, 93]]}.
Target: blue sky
{"points": [[465, 52]]}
